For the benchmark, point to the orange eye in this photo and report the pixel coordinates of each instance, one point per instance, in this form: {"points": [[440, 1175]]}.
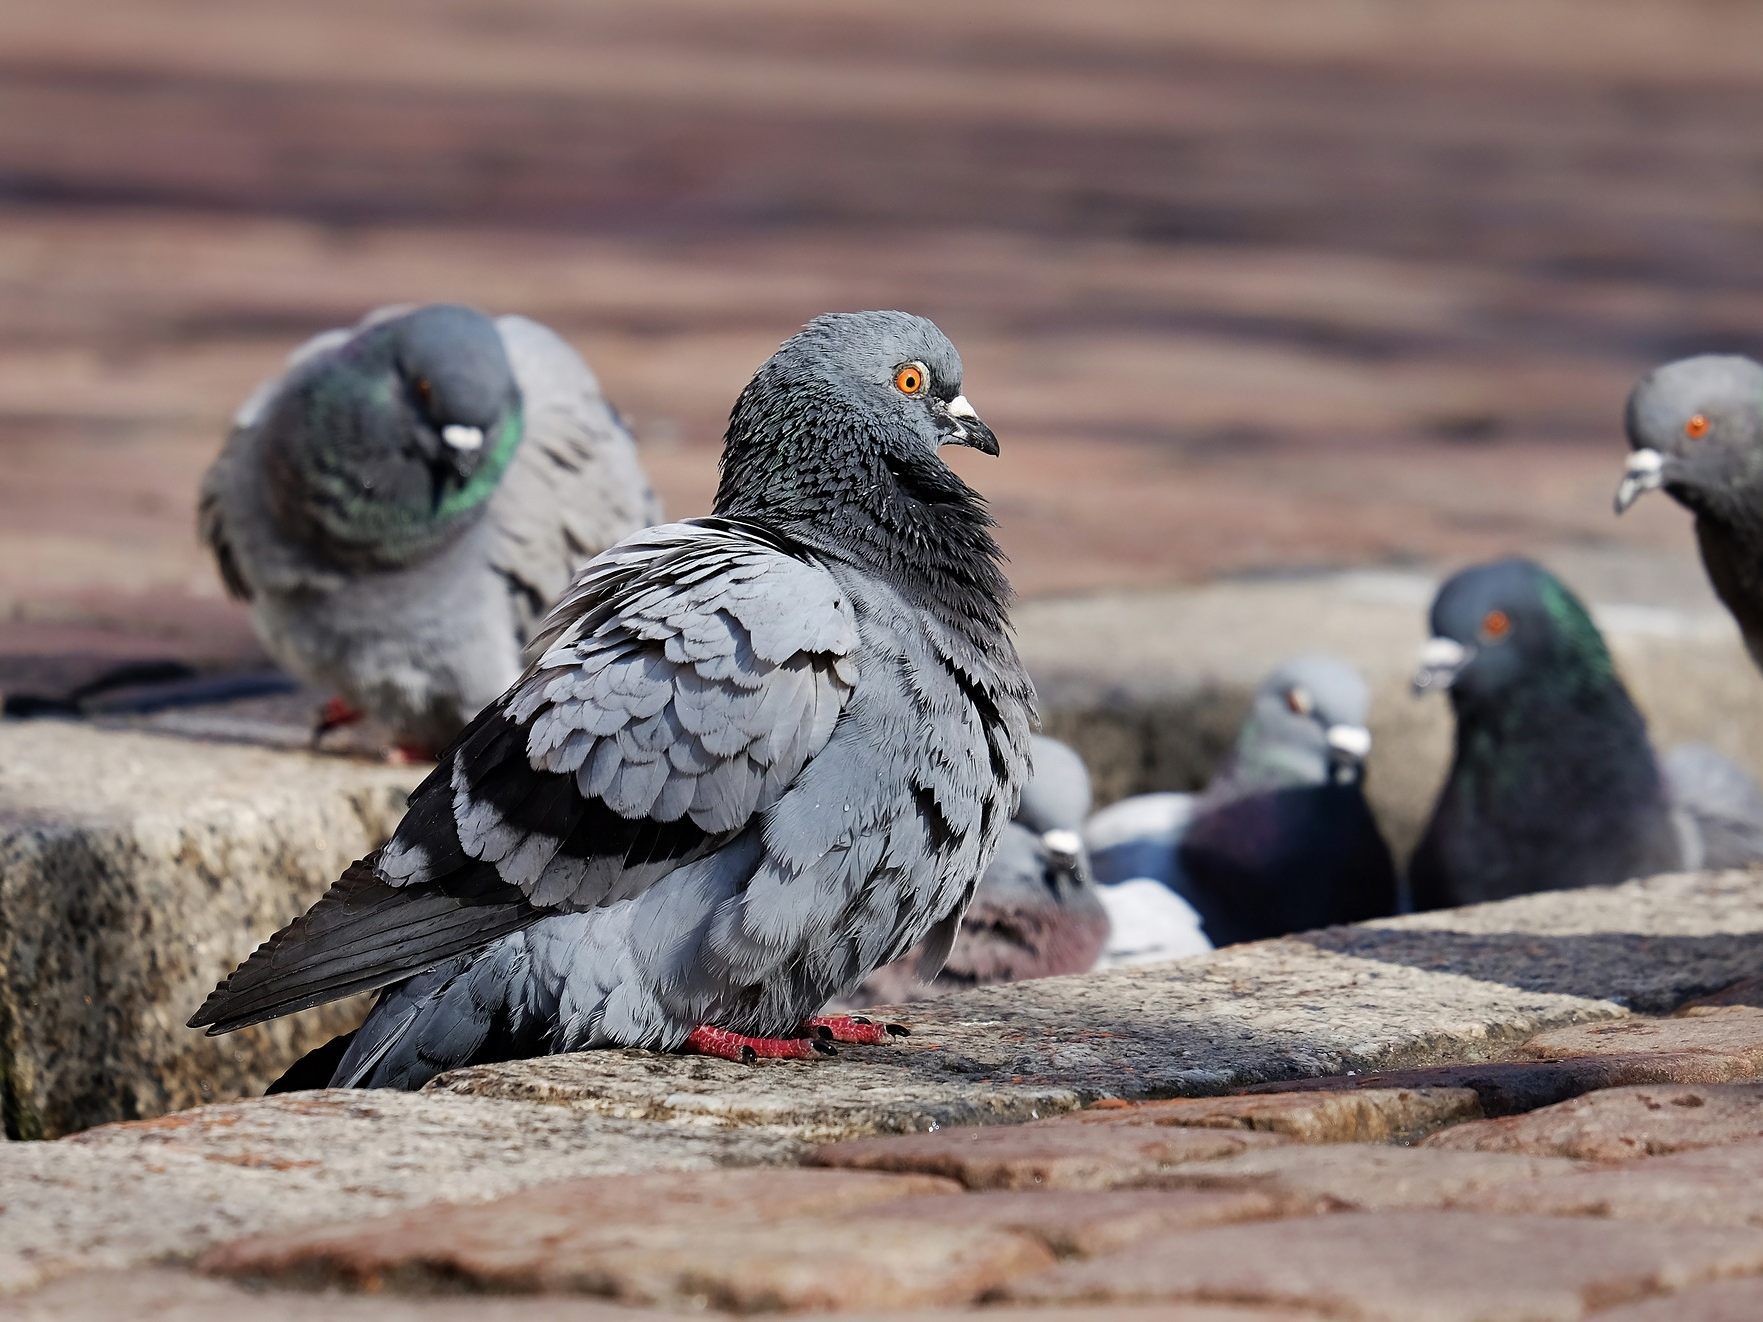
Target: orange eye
{"points": [[909, 380], [1697, 427], [424, 389], [1298, 700], [1495, 625]]}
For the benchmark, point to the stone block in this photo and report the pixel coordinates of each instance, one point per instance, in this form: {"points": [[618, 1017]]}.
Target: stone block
{"points": [[1410, 1266], [741, 1240], [1620, 1124], [121, 1195], [1371, 1115], [1053, 1155], [1703, 1187], [1368, 1177], [135, 871]]}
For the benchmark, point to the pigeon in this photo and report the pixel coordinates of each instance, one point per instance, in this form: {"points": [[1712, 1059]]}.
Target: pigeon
{"points": [[1695, 428], [1035, 914], [757, 755], [1281, 841], [1554, 783], [401, 506]]}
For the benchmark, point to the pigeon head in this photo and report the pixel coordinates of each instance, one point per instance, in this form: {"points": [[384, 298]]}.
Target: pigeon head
{"points": [[836, 439], [383, 444], [1695, 428], [1057, 796], [1306, 726], [1509, 630]]}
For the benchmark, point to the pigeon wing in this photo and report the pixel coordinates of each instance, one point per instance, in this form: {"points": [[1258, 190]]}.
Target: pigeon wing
{"points": [[685, 680], [575, 486]]}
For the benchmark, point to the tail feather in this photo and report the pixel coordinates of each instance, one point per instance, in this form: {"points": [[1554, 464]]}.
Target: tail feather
{"points": [[361, 935]]}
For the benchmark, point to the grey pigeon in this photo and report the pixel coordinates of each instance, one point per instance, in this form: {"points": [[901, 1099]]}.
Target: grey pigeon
{"points": [[1554, 783], [401, 506], [1695, 428], [1035, 914], [1281, 841], [758, 756]]}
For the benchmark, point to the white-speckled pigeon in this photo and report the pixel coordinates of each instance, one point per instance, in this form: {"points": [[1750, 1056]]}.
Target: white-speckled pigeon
{"points": [[402, 505], [1695, 428], [1554, 783], [758, 756], [1035, 914], [1281, 841]]}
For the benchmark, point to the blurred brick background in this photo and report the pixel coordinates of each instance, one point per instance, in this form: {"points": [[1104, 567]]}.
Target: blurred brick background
{"points": [[1274, 284]]}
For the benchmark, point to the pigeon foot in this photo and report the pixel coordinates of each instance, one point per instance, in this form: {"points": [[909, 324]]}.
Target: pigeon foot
{"points": [[857, 1029], [334, 715], [743, 1050]]}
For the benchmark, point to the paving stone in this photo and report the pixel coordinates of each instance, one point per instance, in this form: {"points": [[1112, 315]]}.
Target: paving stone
{"points": [[1399, 993], [1620, 1123], [1716, 1186], [1719, 1301], [1415, 1266], [1368, 1177], [1373, 1115], [1512, 1087], [1746, 991], [125, 1194], [1082, 1224], [1052, 1155], [135, 871], [183, 1296], [746, 1240], [1730, 1033]]}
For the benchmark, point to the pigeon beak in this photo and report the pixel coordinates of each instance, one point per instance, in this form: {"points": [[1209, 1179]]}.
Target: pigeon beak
{"points": [[1441, 661], [1065, 858], [1063, 847], [467, 440], [1645, 471], [961, 426], [1348, 747]]}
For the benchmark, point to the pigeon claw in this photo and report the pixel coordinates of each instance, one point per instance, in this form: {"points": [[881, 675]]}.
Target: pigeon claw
{"points": [[743, 1050], [857, 1029]]}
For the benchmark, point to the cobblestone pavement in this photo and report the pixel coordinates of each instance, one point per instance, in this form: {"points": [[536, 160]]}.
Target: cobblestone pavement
{"points": [[1457, 1193]]}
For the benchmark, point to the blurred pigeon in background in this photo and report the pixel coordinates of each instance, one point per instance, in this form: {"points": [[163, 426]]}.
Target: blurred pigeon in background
{"points": [[1035, 914], [402, 505], [1695, 428], [1554, 783], [759, 755], [1281, 841]]}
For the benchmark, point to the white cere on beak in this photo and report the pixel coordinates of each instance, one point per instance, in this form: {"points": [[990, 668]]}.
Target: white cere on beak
{"points": [[1352, 741], [960, 408], [1644, 473], [1063, 844], [1440, 660], [463, 438]]}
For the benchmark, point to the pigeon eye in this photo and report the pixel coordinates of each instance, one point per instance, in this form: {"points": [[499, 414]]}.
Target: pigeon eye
{"points": [[909, 380], [1495, 625], [1298, 700], [424, 391], [1697, 427]]}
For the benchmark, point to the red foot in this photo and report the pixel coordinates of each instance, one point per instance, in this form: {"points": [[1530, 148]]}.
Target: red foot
{"points": [[719, 1042], [334, 715], [857, 1029]]}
